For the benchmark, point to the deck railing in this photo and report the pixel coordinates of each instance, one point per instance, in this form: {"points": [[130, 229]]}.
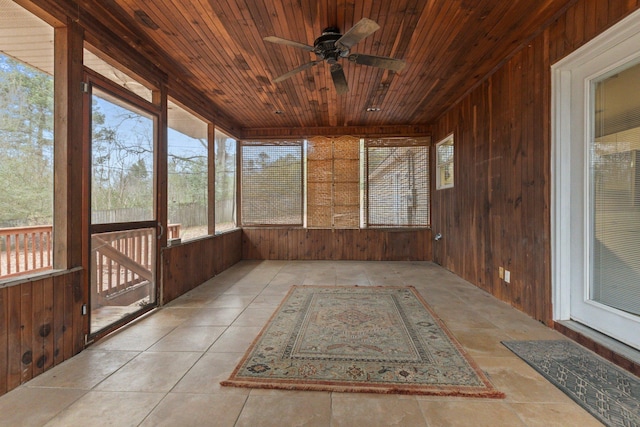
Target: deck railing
{"points": [[30, 249], [25, 249]]}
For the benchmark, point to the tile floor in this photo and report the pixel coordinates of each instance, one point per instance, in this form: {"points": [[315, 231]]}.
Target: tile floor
{"points": [[165, 369]]}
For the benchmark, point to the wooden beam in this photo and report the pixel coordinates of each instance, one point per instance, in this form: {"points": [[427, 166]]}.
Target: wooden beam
{"points": [[361, 131], [68, 154]]}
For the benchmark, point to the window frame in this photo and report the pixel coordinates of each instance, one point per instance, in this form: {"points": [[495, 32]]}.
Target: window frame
{"points": [[447, 141], [274, 143], [209, 204], [424, 142]]}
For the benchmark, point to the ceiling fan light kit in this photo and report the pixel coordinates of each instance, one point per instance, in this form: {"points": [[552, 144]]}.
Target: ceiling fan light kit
{"points": [[332, 46]]}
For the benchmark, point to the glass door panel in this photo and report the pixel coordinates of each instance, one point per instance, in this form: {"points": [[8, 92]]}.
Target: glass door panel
{"points": [[123, 224], [615, 190]]}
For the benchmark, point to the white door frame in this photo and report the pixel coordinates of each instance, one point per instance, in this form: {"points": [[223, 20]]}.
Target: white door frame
{"points": [[570, 228]]}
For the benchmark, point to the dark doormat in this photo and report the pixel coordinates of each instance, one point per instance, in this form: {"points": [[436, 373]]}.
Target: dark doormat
{"points": [[609, 393]]}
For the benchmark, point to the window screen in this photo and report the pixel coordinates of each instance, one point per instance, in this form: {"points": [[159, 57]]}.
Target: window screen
{"points": [[397, 183], [271, 184]]}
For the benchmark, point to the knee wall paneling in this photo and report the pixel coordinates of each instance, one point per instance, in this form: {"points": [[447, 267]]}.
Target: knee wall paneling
{"points": [[41, 325]]}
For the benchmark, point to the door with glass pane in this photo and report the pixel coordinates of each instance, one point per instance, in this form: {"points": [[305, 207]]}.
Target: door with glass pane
{"points": [[123, 230], [610, 298]]}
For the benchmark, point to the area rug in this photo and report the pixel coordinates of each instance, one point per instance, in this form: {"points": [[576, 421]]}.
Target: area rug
{"points": [[609, 393], [359, 339]]}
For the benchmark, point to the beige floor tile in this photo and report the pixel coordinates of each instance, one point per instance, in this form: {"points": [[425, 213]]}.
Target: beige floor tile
{"points": [[554, 415], [213, 316], [287, 409], [467, 412], [151, 372], [166, 368], [189, 338], [34, 406], [169, 316], [231, 300], [520, 382], [136, 337], [196, 410], [257, 317], [285, 278], [373, 410], [483, 342], [103, 408], [84, 371], [236, 339], [205, 376], [267, 301]]}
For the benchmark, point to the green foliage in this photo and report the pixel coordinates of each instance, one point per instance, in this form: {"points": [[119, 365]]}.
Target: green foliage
{"points": [[26, 144]]}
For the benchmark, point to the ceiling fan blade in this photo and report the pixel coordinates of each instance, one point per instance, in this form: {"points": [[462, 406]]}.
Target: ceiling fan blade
{"points": [[295, 71], [363, 28], [339, 80], [279, 40], [377, 61]]}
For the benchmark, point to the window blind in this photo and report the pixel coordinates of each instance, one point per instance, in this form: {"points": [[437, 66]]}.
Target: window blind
{"points": [[615, 190], [271, 184]]}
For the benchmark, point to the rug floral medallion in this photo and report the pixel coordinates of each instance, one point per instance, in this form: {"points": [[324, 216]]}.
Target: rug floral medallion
{"points": [[359, 339]]}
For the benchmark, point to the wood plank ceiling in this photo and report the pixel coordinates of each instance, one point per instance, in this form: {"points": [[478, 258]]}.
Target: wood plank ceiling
{"points": [[217, 46]]}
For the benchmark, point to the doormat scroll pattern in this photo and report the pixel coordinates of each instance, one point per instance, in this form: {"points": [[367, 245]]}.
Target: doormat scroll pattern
{"points": [[359, 339], [609, 393]]}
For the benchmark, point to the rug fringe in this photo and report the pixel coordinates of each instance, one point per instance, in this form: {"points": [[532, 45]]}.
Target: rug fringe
{"points": [[490, 394]]}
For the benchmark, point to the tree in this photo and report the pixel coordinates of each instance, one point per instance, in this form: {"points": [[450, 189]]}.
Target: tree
{"points": [[26, 144]]}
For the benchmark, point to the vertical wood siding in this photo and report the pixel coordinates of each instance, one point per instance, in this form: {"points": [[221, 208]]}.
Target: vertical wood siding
{"points": [[41, 325], [188, 265], [337, 244], [498, 213]]}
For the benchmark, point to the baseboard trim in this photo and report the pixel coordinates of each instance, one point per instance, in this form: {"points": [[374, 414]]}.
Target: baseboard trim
{"points": [[626, 357]]}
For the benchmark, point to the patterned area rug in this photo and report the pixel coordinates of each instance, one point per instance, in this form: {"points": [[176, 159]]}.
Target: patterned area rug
{"points": [[610, 394], [359, 339]]}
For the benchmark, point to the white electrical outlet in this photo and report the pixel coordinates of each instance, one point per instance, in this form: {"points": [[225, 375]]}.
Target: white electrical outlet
{"points": [[507, 276]]}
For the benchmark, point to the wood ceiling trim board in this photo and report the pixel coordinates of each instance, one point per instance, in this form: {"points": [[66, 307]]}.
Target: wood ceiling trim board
{"points": [[484, 76], [403, 27], [363, 76], [232, 29], [327, 131], [298, 91], [257, 65], [291, 57], [439, 42], [176, 83], [112, 17]]}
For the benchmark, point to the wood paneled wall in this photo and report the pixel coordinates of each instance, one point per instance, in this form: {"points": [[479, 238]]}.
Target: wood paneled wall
{"points": [[337, 244], [498, 213], [41, 325], [188, 265]]}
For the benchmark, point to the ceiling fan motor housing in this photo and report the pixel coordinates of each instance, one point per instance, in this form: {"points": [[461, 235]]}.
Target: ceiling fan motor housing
{"points": [[325, 45]]}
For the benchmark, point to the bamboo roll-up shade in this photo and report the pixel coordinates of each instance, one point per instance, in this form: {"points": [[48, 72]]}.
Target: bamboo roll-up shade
{"points": [[333, 192]]}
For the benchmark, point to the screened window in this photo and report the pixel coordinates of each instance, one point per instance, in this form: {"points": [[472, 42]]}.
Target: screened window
{"points": [[225, 182], [26, 142], [397, 190], [444, 163], [116, 75], [187, 167], [272, 183]]}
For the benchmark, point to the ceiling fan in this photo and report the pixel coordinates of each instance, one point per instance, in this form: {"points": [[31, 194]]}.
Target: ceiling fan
{"points": [[331, 46]]}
